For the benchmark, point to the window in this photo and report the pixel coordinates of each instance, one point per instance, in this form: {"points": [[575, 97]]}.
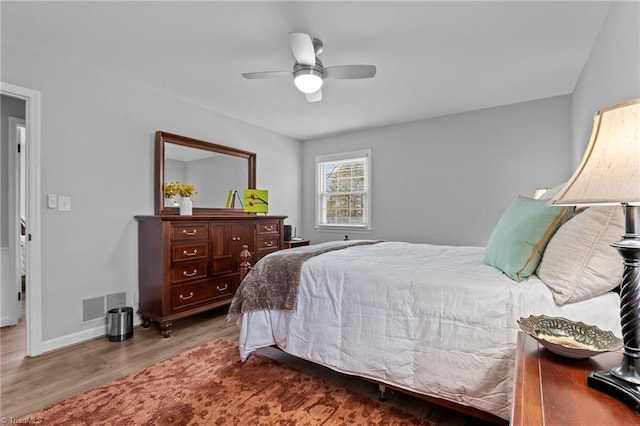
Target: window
{"points": [[344, 190]]}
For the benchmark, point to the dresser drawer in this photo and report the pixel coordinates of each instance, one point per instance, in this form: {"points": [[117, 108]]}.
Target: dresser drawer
{"points": [[268, 227], [268, 243], [189, 231], [188, 272], [226, 286], [185, 296], [189, 251]]}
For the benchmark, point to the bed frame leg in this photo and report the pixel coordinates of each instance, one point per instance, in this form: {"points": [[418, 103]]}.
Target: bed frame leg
{"points": [[382, 389]]}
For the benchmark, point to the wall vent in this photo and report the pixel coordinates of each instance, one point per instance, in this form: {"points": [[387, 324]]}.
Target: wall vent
{"points": [[96, 308], [116, 300], [93, 309]]}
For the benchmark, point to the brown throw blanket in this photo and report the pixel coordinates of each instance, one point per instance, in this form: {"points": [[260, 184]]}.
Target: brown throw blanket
{"points": [[273, 281]]}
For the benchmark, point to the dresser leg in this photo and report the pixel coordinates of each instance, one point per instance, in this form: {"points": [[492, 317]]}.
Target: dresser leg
{"points": [[165, 329], [146, 322]]}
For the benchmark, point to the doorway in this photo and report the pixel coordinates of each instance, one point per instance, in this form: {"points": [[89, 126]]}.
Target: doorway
{"points": [[22, 189], [14, 278]]}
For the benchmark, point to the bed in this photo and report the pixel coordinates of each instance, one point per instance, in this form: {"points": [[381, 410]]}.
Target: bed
{"points": [[436, 321]]}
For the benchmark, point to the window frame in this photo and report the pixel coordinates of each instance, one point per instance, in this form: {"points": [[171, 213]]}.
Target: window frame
{"points": [[365, 155]]}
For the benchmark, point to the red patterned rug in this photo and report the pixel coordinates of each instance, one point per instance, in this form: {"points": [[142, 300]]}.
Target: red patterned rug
{"points": [[209, 385]]}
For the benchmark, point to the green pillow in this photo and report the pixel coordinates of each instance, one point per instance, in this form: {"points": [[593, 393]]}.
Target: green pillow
{"points": [[518, 240]]}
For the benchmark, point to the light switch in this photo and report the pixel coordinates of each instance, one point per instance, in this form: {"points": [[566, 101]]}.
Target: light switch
{"points": [[52, 201], [64, 203]]}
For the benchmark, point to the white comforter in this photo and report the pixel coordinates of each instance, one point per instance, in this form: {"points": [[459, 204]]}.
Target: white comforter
{"points": [[432, 319]]}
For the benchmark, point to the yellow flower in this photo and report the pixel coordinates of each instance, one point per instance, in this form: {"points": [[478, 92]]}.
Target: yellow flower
{"points": [[178, 188], [171, 189], [187, 190]]}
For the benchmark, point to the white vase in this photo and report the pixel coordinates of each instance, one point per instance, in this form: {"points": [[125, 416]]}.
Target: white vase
{"points": [[186, 206], [168, 202]]}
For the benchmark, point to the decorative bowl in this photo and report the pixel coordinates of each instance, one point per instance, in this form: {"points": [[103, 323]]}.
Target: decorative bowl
{"points": [[569, 338]]}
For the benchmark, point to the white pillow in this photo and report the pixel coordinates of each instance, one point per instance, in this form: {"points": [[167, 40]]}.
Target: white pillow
{"points": [[579, 262]]}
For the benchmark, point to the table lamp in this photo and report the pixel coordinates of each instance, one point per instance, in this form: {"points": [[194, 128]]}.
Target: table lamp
{"points": [[609, 174]]}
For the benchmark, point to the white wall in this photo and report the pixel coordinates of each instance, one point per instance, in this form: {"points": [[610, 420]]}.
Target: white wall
{"points": [[97, 147], [448, 179], [466, 168], [611, 74]]}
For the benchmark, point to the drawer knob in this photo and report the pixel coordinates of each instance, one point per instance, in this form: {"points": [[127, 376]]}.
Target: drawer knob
{"points": [[186, 297], [187, 274], [226, 286], [268, 227], [185, 232], [193, 253], [268, 243]]}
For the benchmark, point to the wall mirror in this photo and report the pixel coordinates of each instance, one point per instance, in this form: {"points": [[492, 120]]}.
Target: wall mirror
{"points": [[213, 169]]}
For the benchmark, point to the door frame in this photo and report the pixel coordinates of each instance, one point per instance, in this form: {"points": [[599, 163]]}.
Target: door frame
{"points": [[33, 303]]}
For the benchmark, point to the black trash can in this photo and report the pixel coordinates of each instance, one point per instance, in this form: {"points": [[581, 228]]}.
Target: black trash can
{"points": [[120, 324]]}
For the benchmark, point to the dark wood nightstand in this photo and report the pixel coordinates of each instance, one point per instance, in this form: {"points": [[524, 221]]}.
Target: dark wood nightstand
{"points": [[295, 243], [552, 390]]}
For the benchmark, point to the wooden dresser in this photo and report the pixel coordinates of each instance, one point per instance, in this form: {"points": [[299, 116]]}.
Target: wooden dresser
{"points": [[552, 390], [190, 264]]}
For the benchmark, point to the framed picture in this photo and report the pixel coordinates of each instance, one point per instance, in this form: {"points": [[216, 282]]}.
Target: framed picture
{"points": [[256, 201]]}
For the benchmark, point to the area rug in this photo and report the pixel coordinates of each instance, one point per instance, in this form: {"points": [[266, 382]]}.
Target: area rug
{"points": [[209, 385]]}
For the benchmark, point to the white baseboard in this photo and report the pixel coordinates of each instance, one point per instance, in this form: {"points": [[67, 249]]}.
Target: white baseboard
{"points": [[6, 322], [80, 337]]}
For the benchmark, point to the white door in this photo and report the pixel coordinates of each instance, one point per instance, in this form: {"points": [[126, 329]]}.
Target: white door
{"points": [[12, 281]]}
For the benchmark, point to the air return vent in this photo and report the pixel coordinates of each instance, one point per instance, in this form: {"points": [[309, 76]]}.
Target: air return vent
{"points": [[93, 309], [96, 308]]}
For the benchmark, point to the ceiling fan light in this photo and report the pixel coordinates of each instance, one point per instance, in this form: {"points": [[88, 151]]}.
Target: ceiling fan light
{"points": [[308, 81]]}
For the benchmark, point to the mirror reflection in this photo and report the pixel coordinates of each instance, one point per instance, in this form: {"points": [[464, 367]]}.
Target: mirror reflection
{"points": [[212, 173], [213, 169]]}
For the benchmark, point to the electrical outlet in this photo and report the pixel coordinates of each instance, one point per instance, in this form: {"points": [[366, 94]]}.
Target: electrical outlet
{"points": [[52, 201], [64, 203]]}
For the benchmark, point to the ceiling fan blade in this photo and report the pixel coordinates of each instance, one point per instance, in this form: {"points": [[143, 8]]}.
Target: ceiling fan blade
{"points": [[267, 74], [350, 71], [314, 97], [302, 48]]}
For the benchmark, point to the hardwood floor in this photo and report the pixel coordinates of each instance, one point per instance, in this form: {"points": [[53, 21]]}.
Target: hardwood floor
{"points": [[29, 384]]}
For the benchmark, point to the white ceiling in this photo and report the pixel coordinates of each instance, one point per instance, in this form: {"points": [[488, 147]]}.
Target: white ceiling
{"points": [[432, 58]]}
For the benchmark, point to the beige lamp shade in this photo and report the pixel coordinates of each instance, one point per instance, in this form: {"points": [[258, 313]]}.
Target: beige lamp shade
{"points": [[610, 170]]}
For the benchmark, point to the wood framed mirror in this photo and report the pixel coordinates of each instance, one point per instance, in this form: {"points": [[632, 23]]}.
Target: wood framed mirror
{"points": [[213, 169]]}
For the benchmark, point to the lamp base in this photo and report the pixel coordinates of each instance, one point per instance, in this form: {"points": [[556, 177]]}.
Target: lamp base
{"points": [[613, 386]]}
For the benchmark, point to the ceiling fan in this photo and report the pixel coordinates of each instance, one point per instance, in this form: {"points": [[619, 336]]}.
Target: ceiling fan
{"points": [[308, 72]]}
